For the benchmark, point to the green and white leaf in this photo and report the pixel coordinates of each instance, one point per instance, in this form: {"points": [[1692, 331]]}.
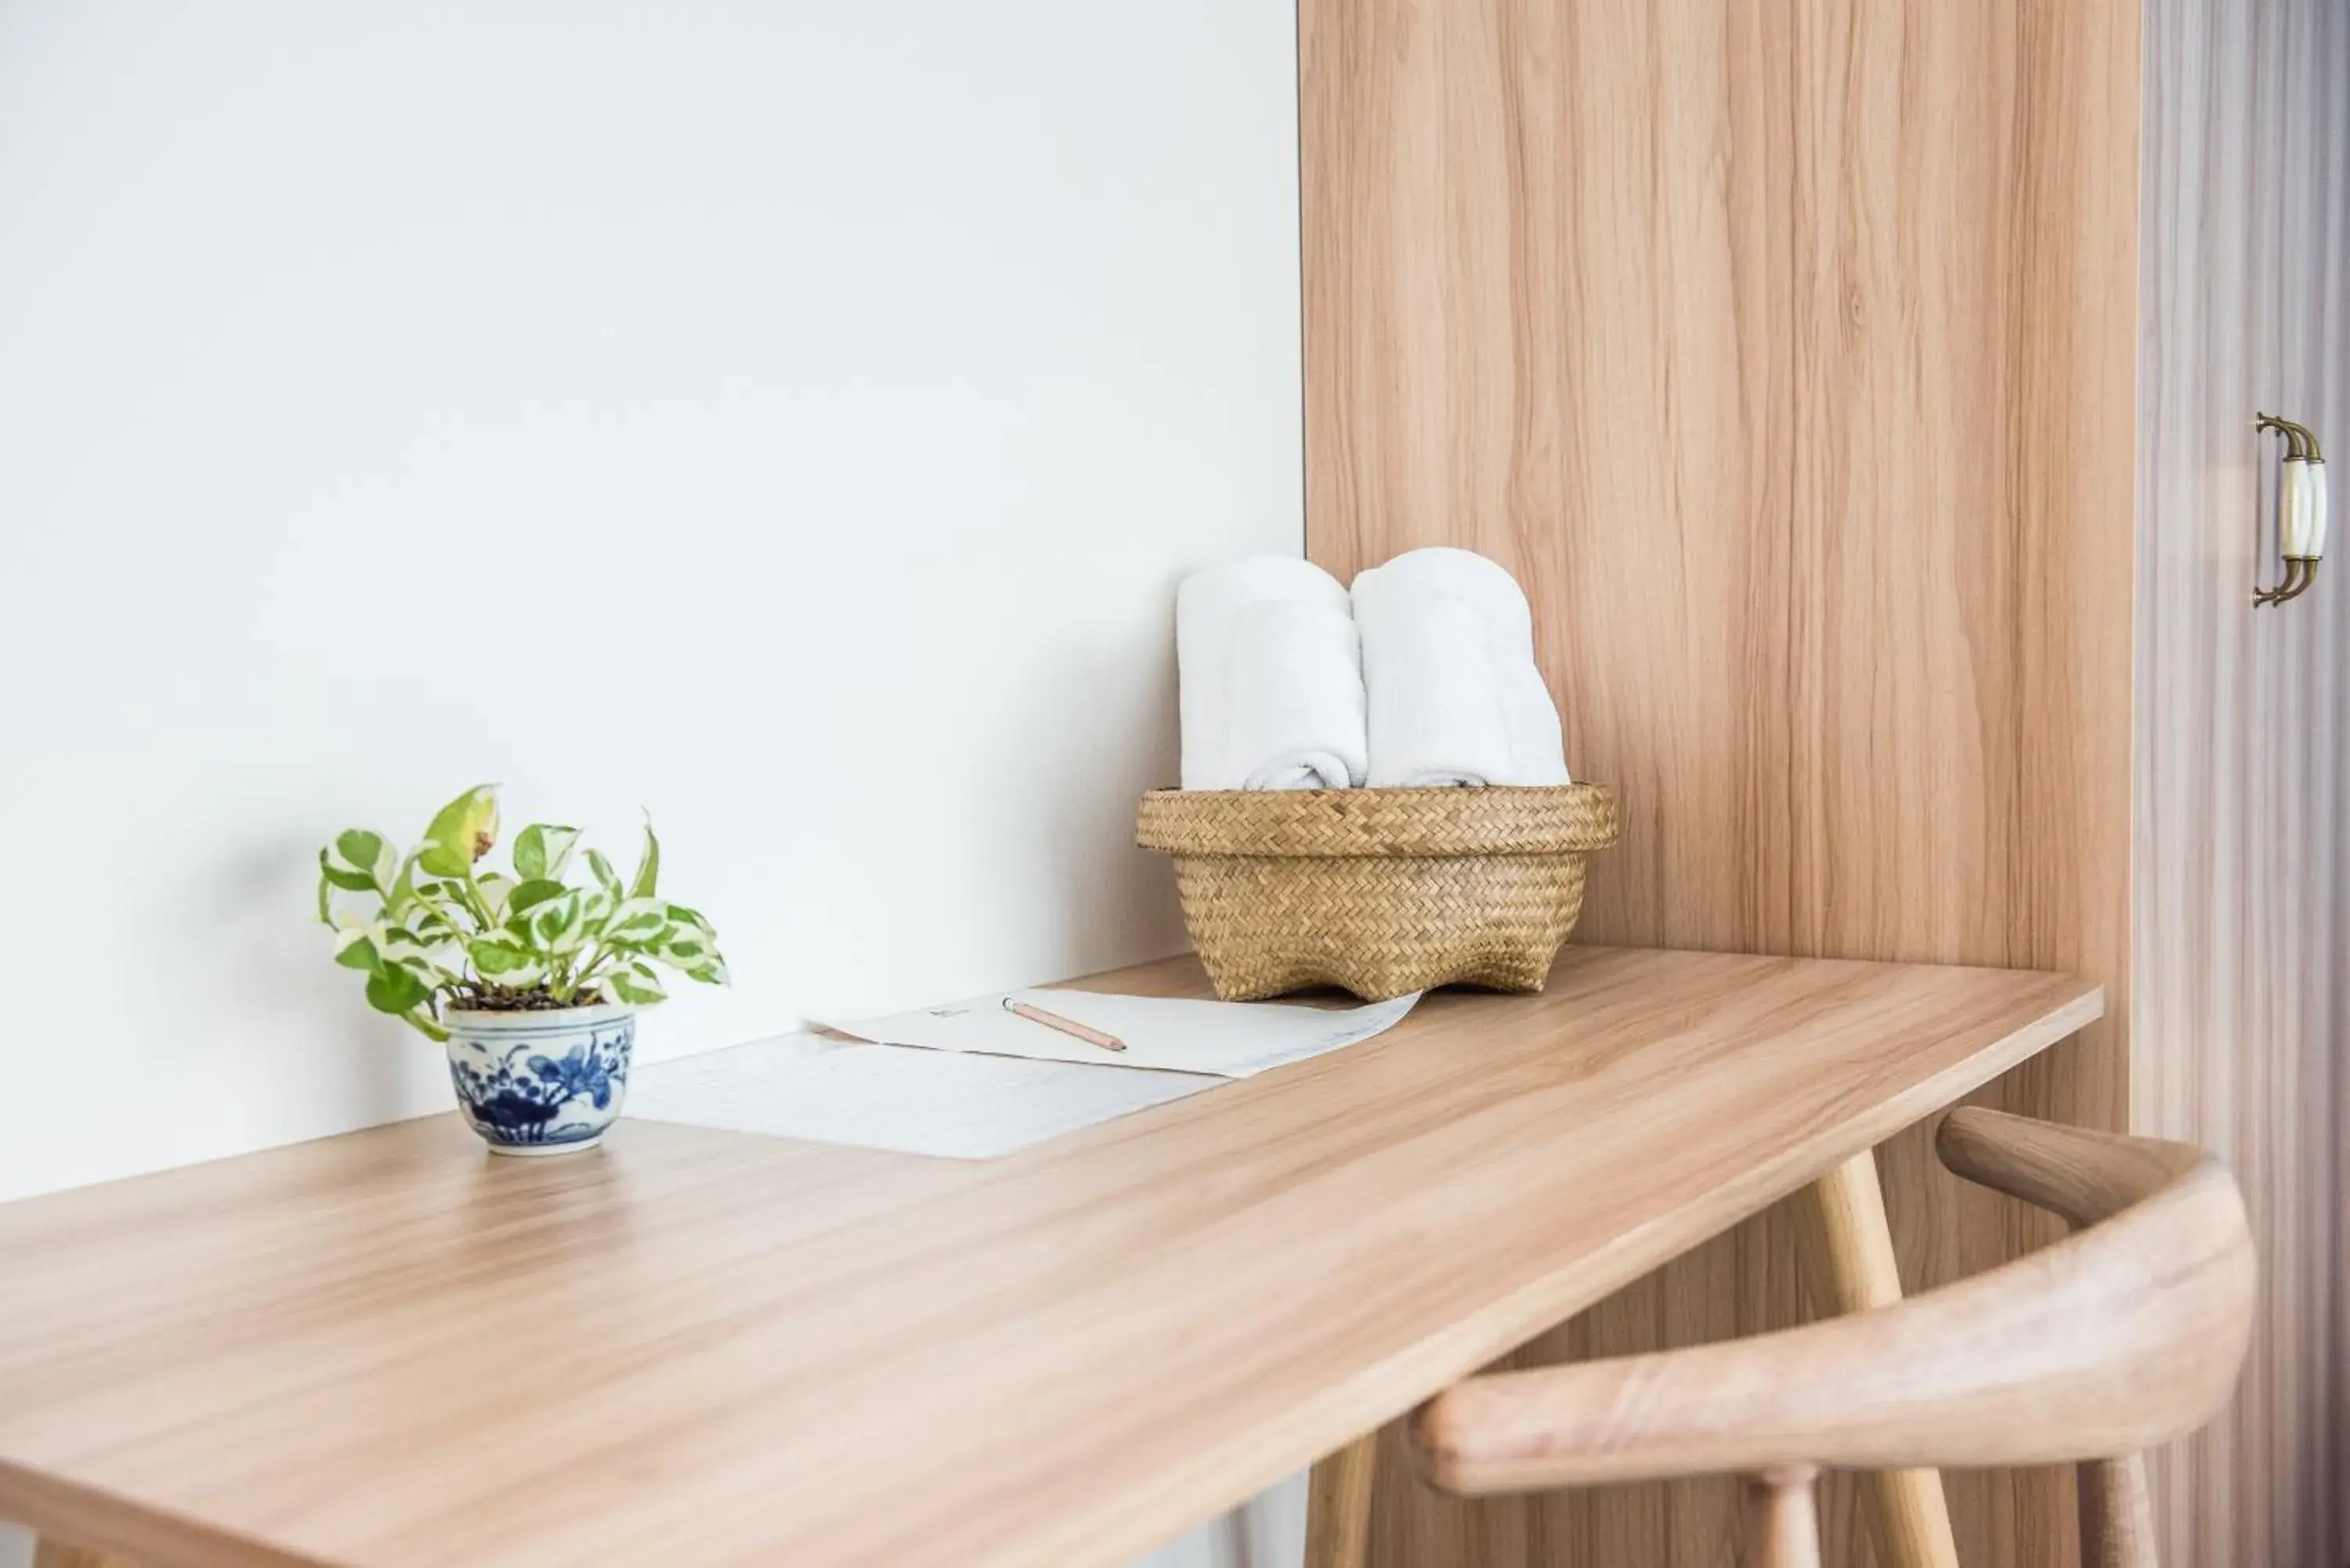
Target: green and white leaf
{"points": [[696, 957], [648, 865], [502, 959], [393, 989], [636, 984], [595, 909], [528, 895], [682, 916], [360, 861], [493, 889], [404, 949], [333, 871], [559, 926], [606, 877], [400, 943], [637, 923], [429, 925], [462, 831], [543, 851], [403, 899], [360, 945]]}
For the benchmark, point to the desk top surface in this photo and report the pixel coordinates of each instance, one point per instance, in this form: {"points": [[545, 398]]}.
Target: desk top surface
{"points": [[389, 1348]]}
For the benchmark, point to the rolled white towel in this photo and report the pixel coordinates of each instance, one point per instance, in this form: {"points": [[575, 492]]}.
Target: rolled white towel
{"points": [[1538, 743], [1270, 677], [1293, 698], [1443, 571], [1454, 696], [1435, 712]]}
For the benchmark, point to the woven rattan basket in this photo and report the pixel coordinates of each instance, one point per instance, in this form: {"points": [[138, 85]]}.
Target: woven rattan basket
{"points": [[1380, 891]]}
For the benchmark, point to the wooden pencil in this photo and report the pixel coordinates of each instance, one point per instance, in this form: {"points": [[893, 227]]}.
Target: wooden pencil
{"points": [[1068, 1026]]}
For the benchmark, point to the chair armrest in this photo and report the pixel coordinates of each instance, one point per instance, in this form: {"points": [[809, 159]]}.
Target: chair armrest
{"points": [[2118, 1338], [2079, 1173]]}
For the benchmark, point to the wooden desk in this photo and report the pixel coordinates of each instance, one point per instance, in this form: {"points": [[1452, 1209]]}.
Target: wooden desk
{"points": [[389, 1348]]}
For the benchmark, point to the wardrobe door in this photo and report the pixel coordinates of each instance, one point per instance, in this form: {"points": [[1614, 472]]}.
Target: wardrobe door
{"points": [[1786, 352], [2243, 840]]}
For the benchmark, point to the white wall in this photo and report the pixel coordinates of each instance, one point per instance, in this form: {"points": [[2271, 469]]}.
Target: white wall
{"points": [[790, 417]]}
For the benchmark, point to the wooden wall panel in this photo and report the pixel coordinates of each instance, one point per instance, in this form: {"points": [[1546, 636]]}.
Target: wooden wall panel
{"points": [[1786, 352], [2239, 1022]]}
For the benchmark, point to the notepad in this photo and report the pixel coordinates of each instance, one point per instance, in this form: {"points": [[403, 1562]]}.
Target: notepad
{"points": [[1176, 1034], [949, 1105], [973, 1080]]}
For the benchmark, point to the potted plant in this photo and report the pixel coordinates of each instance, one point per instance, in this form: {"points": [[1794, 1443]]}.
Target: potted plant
{"points": [[531, 979]]}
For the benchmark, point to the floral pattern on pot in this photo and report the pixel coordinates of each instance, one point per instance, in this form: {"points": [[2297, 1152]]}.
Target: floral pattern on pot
{"points": [[541, 1082]]}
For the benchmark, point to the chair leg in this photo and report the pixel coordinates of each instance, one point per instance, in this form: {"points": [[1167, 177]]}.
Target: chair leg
{"points": [[1847, 1251], [1783, 1520], [1338, 1506], [2116, 1514]]}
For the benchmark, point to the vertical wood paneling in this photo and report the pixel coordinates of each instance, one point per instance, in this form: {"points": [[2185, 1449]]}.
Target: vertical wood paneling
{"points": [[2245, 215], [1786, 352]]}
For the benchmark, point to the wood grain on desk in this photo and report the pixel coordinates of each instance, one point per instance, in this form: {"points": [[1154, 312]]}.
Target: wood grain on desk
{"points": [[389, 1348]]}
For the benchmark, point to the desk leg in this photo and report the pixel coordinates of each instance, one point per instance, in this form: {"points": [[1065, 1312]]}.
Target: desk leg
{"points": [[1849, 1256], [1338, 1506]]}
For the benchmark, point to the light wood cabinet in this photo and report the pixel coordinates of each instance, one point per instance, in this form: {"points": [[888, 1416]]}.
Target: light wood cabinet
{"points": [[1791, 355]]}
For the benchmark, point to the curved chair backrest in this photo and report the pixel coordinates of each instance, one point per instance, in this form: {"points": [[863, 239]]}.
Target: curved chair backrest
{"points": [[2125, 1335]]}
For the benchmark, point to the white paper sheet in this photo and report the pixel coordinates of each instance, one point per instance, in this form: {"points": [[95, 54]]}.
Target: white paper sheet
{"points": [[885, 1096], [1228, 1039]]}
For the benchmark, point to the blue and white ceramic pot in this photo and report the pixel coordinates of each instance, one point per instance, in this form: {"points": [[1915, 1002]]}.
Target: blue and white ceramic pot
{"points": [[540, 1083]]}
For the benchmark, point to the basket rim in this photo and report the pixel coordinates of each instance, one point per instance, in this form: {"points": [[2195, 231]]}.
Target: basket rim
{"points": [[1499, 819]]}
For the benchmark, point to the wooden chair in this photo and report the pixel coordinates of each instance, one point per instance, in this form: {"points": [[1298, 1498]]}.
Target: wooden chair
{"points": [[2128, 1333]]}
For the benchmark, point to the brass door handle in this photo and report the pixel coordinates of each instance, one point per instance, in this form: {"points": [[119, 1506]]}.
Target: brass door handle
{"points": [[2300, 511]]}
